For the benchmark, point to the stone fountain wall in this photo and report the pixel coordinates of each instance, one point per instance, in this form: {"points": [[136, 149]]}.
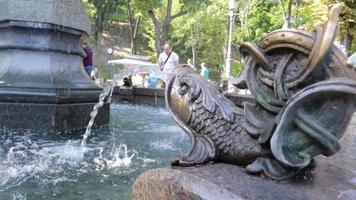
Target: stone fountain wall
{"points": [[43, 84]]}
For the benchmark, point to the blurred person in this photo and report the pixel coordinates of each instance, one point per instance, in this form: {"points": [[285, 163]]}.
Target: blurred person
{"points": [[190, 63], [126, 82], [88, 60], [204, 70], [168, 60]]}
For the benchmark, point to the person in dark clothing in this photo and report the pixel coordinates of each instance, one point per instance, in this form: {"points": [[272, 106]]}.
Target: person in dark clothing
{"points": [[88, 60], [126, 82]]}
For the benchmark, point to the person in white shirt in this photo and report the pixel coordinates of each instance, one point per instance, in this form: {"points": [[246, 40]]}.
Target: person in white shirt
{"points": [[168, 60]]}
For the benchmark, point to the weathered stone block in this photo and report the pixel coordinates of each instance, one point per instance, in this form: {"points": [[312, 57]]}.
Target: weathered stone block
{"points": [[226, 181], [60, 12]]}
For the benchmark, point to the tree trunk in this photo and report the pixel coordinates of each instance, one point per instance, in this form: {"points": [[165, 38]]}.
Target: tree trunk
{"points": [[289, 13], [297, 14], [245, 21], [164, 33], [133, 27], [129, 16], [157, 31], [161, 29], [285, 24], [101, 10], [134, 48], [347, 41], [98, 45], [194, 55]]}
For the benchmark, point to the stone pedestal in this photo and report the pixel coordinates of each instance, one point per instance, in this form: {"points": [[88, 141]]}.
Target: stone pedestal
{"points": [[333, 179], [224, 181], [43, 84]]}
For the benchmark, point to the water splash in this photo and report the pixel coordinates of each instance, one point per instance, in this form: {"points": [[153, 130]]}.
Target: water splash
{"points": [[47, 166], [120, 157], [47, 163], [25, 159]]}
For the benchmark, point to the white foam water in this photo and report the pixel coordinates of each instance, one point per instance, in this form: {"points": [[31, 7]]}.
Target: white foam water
{"points": [[30, 160], [120, 157], [164, 144], [26, 159]]}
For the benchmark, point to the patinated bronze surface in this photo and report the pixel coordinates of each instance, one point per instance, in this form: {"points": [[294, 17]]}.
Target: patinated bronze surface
{"points": [[305, 96]]}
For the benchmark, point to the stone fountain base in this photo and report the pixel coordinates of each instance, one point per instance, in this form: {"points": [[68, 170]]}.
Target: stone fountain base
{"points": [[50, 117], [43, 85]]}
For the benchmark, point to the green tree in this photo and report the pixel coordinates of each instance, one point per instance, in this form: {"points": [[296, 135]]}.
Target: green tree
{"points": [[101, 11], [162, 13], [201, 35], [134, 21], [198, 28], [315, 12]]}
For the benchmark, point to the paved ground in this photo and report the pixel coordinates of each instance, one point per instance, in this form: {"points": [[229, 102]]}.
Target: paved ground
{"points": [[346, 157]]}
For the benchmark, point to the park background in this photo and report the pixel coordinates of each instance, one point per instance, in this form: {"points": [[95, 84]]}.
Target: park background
{"points": [[198, 29]]}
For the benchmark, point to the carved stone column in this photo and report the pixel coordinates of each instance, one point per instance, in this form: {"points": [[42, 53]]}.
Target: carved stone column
{"points": [[43, 85]]}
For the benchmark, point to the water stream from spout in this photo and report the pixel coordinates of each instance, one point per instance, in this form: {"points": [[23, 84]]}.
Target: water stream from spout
{"points": [[108, 90], [122, 158]]}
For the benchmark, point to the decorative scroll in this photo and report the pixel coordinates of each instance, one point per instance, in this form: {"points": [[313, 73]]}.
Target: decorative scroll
{"points": [[304, 90]]}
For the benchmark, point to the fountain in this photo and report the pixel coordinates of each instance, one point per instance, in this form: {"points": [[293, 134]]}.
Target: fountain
{"points": [[43, 88], [42, 82]]}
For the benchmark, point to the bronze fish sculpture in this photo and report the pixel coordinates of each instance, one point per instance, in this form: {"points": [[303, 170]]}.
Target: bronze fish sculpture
{"points": [[303, 92]]}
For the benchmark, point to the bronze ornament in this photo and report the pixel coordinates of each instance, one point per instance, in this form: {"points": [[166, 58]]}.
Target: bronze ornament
{"points": [[305, 95]]}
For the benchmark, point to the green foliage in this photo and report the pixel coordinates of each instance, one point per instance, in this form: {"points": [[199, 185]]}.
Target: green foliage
{"points": [[148, 37], [236, 68], [204, 25], [314, 12], [102, 11], [256, 17], [142, 6], [90, 9], [205, 31]]}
